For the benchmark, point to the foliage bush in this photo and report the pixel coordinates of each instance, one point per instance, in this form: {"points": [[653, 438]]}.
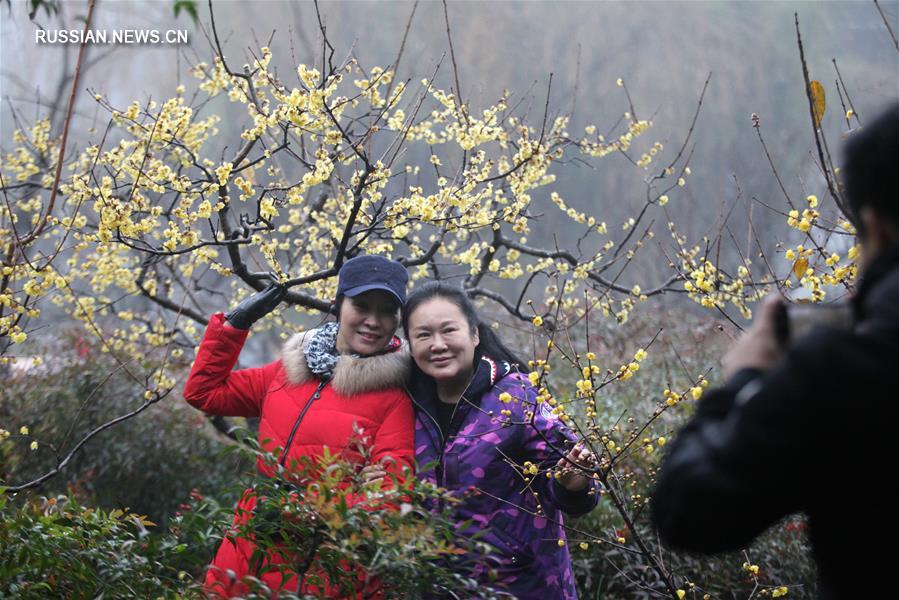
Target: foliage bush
{"points": [[780, 556], [56, 547], [147, 464], [401, 536]]}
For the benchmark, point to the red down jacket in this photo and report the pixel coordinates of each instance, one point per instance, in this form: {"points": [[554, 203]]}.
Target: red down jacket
{"points": [[366, 392]]}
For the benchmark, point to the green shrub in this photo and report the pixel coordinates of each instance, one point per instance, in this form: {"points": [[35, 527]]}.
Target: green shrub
{"points": [[331, 518], [611, 571], [54, 547], [147, 464]]}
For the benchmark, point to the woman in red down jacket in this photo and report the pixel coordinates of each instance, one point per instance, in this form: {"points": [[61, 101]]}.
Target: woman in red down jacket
{"points": [[328, 380]]}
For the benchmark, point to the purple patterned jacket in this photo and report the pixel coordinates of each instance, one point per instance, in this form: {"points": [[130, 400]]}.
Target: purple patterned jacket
{"points": [[475, 463]]}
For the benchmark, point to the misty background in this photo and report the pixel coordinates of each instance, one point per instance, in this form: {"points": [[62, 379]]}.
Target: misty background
{"points": [[664, 51]]}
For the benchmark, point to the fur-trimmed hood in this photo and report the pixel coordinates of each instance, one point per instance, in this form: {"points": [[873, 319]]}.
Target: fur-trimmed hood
{"points": [[353, 374]]}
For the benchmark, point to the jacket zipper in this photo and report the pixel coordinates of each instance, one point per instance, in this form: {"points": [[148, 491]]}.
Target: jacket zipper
{"points": [[455, 430], [438, 470], [441, 475], [315, 396], [452, 431]]}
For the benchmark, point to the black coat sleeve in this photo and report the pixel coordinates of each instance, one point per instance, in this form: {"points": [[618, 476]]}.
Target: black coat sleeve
{"points": [[745, 459]]}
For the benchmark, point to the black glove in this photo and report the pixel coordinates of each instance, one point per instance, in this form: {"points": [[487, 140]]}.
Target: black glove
{"points": [[256, 306]]}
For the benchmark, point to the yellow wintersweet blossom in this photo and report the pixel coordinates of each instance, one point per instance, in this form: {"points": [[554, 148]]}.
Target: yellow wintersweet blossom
{"points": [[623, 143], [584, 387], [222, 172]]}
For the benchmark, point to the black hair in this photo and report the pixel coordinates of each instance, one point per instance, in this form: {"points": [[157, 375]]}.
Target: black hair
{"points": [[489, 345], [871, 162]]}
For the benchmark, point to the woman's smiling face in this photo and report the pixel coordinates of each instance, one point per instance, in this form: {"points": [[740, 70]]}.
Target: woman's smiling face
{"points": [[442, 342], [367, 322]]}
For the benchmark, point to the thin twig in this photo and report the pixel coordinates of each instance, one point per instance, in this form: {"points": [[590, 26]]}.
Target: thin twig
{"points": [[65, 461], [399, 54], [887, 23], [458, 97], [837, 198]]}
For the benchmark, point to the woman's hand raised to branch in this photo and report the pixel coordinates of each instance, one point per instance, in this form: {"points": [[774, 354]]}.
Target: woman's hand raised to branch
{"points": [[256, 306], [573, 467]]}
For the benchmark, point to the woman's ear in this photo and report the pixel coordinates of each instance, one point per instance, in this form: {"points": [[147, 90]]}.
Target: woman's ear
{"points": [[476, 336]]}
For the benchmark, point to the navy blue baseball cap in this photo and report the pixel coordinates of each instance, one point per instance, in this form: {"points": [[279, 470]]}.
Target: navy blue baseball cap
{"points": [[368, 272]]}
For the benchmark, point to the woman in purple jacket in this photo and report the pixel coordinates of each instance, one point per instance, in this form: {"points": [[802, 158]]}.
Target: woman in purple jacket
{"points": [[481, 434]]}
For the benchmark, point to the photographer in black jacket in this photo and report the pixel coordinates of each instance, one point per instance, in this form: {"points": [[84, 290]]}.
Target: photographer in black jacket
{"points": [[808, 425]]}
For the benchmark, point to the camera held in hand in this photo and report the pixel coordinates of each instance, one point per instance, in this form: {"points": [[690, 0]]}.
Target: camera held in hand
{"points": [[795, 320]]}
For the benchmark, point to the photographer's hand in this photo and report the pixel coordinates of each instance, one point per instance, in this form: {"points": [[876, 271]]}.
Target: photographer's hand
{"points": [[758, 347], [256, 306]]}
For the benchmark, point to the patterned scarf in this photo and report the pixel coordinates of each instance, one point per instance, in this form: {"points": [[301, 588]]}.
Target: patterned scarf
{"points": [[321, 351]]}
